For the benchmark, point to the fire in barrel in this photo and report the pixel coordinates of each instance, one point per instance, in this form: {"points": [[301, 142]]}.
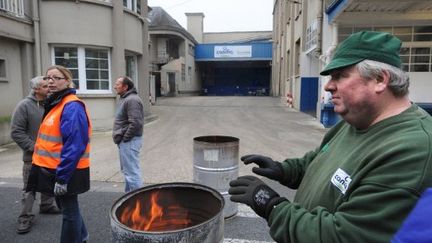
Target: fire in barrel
{"points": [[171, 212]]}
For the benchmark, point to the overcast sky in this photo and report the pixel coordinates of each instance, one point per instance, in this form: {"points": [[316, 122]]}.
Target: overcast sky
{"points": [[222, 15]]}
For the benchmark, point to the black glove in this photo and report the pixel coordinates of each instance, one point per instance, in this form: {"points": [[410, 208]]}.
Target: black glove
{"points": [[267, 167], [252, 191]]}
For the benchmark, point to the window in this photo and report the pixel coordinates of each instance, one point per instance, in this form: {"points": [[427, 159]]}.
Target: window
{"points": [[416, 53], [90, 67], [191, 50], [68, 57], [297, 58], [97, 72], [2, 69], [404, 33], [133, 5], [14, 7], [183, 72], [288, 64], [416, 59], [311, 41], [131, 68], [422, 33], [190, 74]]}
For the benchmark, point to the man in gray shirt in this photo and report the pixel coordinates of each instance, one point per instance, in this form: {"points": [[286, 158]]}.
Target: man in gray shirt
{"points": [[128, 130], [26, 120]]}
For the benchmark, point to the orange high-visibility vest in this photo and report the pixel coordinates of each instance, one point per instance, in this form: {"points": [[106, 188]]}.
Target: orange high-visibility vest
{"points": [[49, 141]]}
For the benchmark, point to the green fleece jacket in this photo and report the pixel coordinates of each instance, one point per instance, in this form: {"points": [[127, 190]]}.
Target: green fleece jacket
{"points": [[358, 186]]}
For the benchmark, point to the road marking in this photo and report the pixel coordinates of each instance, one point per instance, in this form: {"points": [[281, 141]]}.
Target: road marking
{"points": [[229, 240]]}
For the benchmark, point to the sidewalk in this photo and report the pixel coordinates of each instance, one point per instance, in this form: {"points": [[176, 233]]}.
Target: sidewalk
{"points": [[264, 125]]}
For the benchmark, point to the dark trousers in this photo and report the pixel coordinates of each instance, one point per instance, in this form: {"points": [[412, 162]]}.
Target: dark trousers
{"points": [[73, 227], [28, 198]]}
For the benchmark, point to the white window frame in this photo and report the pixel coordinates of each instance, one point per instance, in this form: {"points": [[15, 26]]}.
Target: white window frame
{"points": [[408, 66], [14, 7], [134, 75], [82, 79], [189, 79], [183, 72], [3, 69], [406, 33], [132, 5]]}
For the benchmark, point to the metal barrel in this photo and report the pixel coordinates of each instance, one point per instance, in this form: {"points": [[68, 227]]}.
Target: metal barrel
{"points": [[176, 200], [216, 164]]}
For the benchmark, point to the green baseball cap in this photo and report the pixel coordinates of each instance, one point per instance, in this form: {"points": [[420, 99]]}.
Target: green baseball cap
{"points": [[371, 45]]}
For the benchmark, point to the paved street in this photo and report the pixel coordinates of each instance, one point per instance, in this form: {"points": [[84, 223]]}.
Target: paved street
{"points": [[264, 125]]}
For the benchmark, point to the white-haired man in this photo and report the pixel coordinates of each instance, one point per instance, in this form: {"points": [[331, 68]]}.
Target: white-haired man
{"points": [[26, 120]]}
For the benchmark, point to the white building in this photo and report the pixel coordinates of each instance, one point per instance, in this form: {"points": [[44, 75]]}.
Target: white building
{"points": [[98, 40], [172, 51], [307, 31], [185, 62]]}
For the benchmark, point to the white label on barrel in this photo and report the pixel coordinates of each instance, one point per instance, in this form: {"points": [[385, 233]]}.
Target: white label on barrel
{"points": [[211, 154]]}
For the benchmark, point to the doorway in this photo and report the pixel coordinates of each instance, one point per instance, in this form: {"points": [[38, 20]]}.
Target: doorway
{"points": [[171, 84]]}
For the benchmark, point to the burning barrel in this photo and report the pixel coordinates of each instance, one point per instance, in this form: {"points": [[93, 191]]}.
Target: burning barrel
{"points": [[216, 164], [170, 212]]}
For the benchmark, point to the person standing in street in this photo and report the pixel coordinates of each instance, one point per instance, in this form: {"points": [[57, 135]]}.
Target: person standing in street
{"points": [[26, 120], [370, 169], [61, 159], [128, 131]]}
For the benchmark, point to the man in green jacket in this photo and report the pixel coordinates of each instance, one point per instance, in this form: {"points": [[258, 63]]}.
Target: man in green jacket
{"points": [[370, 169]]}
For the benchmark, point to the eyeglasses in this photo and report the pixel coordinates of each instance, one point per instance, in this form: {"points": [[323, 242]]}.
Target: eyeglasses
{"points": [[54, 78]]}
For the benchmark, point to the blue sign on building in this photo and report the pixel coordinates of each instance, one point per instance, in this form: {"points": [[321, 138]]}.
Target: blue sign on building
{"points": [[232, 52], [235, 68]]}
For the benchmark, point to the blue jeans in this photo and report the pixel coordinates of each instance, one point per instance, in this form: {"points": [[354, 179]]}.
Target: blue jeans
{"points": [[73, 227], [130, 163]]}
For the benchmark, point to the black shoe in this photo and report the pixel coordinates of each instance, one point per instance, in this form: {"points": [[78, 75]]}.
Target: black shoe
{"points": [[24, 226], [51, 210]]}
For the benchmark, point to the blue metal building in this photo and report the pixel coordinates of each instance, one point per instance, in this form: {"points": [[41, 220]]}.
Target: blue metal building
{"points": [[235, 68]]}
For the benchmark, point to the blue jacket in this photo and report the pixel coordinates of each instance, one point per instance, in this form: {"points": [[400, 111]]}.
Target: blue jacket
{"points": [[418, 225], [74, 130]]}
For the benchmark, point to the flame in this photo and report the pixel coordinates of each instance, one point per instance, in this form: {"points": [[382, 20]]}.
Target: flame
{"points": [[157, 217], [156, 211]]}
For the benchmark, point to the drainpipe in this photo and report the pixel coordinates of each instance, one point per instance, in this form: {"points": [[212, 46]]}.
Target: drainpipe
{"points": [[335, 31], [325, 59], [37, 41], [118, 41], [319, 28]]}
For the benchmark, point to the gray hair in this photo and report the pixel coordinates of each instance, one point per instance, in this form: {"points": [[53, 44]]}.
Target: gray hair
{"points": [[399, 80], [35, 83]]}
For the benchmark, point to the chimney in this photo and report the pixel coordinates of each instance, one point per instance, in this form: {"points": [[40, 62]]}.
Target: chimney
{"points": [[195, 25]]}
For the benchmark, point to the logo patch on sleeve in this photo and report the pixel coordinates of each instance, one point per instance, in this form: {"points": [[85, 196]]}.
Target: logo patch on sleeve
{"points": [[49, 121], [341, 180]]}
